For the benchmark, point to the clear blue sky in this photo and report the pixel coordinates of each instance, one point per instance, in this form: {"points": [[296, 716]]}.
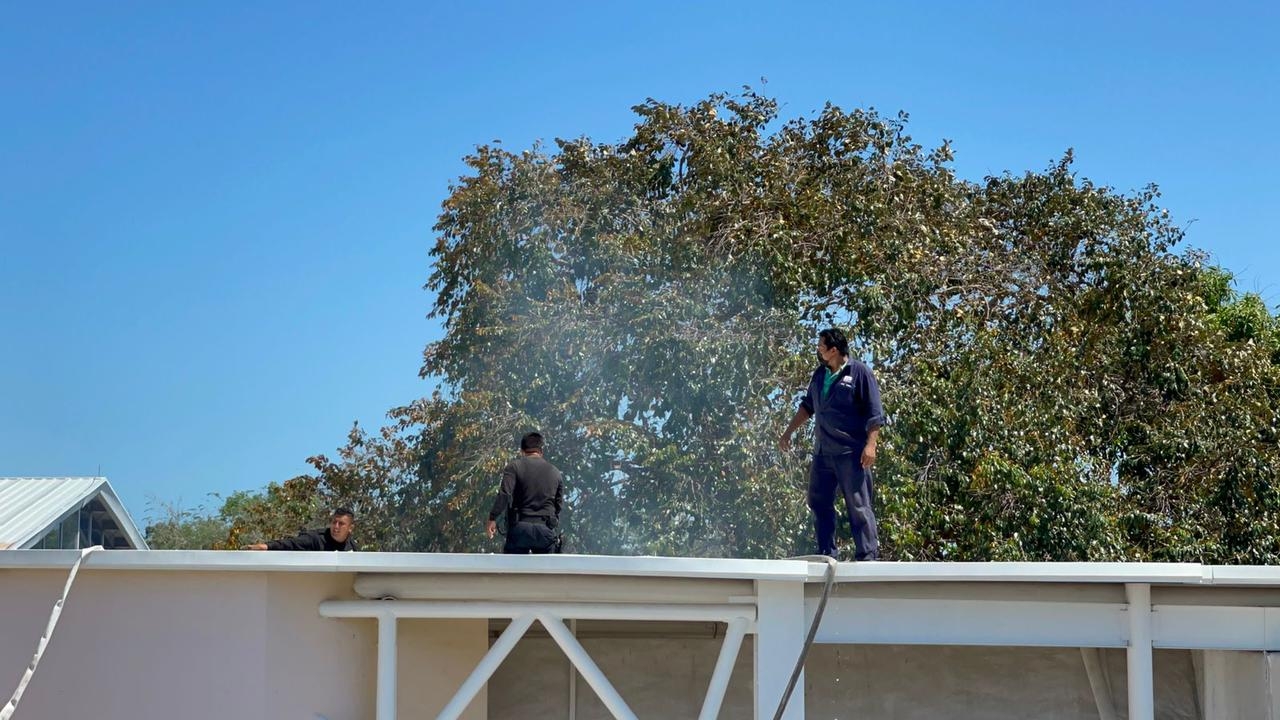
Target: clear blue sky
{"points": [[215, 218]]}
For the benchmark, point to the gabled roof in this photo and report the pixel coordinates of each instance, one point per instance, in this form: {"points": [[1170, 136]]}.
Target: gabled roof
{"points": [[31, 507]]}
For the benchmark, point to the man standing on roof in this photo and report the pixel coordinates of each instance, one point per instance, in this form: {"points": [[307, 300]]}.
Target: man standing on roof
{"points": [[844, 398], [531, 496], [336, 537]]}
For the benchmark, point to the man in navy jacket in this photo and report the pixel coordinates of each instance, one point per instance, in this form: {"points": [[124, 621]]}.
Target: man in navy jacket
{"points": [[844, 400]]}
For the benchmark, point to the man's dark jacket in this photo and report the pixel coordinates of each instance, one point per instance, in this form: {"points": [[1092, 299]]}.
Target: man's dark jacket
{"points": [[532, 488], [847, 413], [313, 540]]}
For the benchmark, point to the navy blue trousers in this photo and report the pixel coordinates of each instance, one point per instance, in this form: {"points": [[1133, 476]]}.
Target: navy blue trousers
{"points": [[843, 474]]}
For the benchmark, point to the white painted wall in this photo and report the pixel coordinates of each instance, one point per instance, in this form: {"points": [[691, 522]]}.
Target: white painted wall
{"points": [[215, 645], [137, 645]]}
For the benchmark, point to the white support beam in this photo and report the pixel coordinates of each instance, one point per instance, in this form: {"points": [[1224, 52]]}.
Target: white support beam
{"points": [[724, 669], [1203, 627], [780, 633], [455, 609], [941, 621], [1141, 683], [386, 697], [486, 667], [590, 671]]}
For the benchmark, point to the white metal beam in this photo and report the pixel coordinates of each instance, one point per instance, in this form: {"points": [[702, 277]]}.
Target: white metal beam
{"points": [[486, 667], [780, 633], [453, 609], [1202, 627], [386, 697], [590, 671], [724, 669], [971, 622]]}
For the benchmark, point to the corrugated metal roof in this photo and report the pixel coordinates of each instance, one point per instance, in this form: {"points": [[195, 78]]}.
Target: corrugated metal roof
{"points": [[30, 506]]}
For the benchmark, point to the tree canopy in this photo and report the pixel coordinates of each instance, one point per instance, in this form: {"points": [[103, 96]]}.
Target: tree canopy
{"points": [[1063, 380]]}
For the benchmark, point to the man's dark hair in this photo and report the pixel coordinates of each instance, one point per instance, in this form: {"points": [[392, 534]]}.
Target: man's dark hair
{"points": [[531, 441], [339, 512], [834, 338]]}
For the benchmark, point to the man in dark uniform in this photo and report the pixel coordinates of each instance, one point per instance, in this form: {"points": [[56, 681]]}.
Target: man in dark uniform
{"points": [[844, 397], [336, 537], [531, 495]]}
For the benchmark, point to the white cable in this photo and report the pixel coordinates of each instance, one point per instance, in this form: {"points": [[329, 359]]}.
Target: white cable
{"points": [[7, 711]]}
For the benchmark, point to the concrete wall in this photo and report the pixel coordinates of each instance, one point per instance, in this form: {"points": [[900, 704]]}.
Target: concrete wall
{"points": [[667, 678], [213, 645], [659, 678], [919, 682], [1236, 685]]}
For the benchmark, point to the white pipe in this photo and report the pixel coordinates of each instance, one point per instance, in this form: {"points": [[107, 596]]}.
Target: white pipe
{"points": [[724, 669], [453, 609], [485, 668], [1141, 685], [590, 671], [386, 707], [7, 710], [1098, 682]]}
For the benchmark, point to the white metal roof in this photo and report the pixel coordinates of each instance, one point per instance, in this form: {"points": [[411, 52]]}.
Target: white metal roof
{"points": [[32, 506]]}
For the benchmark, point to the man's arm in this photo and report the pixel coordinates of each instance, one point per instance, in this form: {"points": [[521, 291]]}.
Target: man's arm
{"points": [[502, 502], [875, 417], [304, 541], [803, 413], [801, 417]]}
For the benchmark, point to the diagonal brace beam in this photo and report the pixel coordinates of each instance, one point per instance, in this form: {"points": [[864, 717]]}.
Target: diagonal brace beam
{"points": [[590, 671], [486, 667], [724, 669]]}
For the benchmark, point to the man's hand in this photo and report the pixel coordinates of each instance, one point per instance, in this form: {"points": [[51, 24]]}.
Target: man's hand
{"points": [[784, 442], [255, 546], [491, 527], [869, 455]]}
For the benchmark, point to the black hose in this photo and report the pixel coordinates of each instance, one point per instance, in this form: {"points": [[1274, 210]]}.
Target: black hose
{"points": [[813, 629]]}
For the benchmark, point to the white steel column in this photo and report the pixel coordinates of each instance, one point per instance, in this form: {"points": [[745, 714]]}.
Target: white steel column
{"points": [[486, 667], [780, 633], [573, 678], [724, 669], [590, 671], [1141, 685], [386, 699]]}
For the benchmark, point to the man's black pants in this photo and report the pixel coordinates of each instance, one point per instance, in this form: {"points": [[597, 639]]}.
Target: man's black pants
{"points": [[530, 537]]}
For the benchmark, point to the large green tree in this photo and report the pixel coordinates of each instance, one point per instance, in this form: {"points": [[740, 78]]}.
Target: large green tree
{"points": [[1063, 381]]}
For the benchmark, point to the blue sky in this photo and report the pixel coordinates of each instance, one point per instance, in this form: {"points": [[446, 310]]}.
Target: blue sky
{"points": [[215, 218]]}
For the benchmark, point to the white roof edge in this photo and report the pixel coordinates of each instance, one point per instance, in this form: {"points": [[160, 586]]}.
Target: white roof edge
{"points": [[1059, 572], [460, 563], [1242, 574], [647, 566]]}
